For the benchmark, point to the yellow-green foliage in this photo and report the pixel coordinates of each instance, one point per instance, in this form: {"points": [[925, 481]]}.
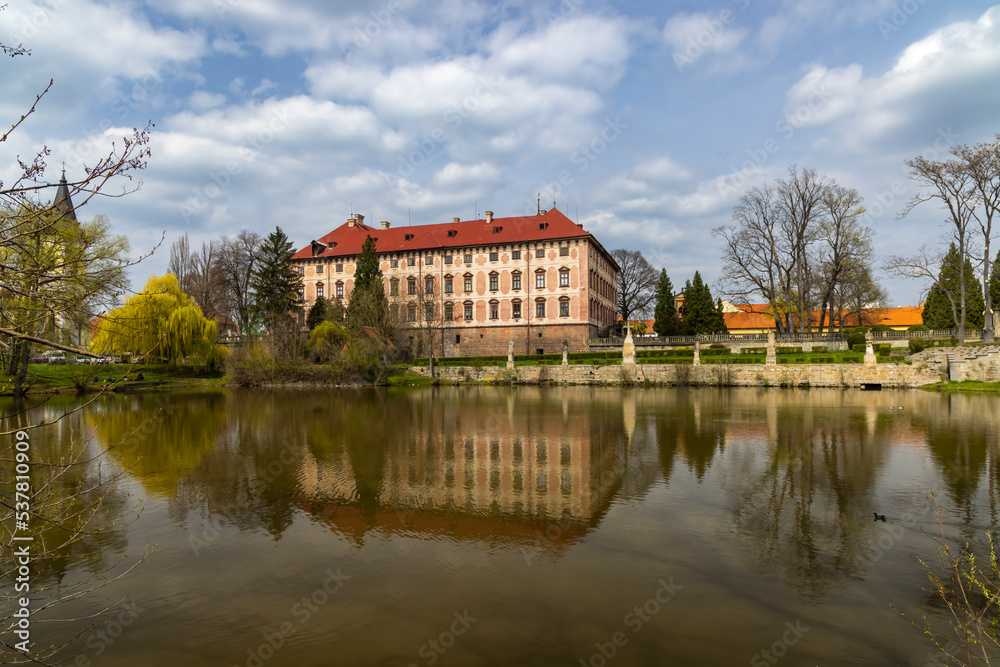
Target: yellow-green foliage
{"points": [[327, 339], [163, 319]]}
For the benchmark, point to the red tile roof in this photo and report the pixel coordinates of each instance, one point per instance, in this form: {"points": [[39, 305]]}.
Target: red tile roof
{"points": [[347, 240]]}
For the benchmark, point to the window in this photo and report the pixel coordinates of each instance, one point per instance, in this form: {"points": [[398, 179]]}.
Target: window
{"points": [[429, 261], [564, 251], [319, 290], [540, 309], [301, 270], [468, 311], [515, 254], [564, 279], [340, 290], [429, 312], [516, 314], [447, 260], [494, 310], [340, 268], [540, 253], [429, 286], [564, 309], [394, 314], [540, 281], [458, 339], [411, 286], [468, 258], [515, 281], [302, 294], [494, 283], [394, 287], [494, 256], [449, 311], [411, 313], [411, 261], [448, 285], [319, 269], [393, 263], [468, 283]]}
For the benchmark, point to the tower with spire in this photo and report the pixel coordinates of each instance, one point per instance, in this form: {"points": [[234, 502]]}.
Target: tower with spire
{"points": [[63, 204]]}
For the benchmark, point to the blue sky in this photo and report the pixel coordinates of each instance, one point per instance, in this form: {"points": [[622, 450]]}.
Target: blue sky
{"points": [[643, 121]]}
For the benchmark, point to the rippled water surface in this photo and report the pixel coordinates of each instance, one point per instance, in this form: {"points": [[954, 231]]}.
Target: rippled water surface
{"points": [[527, 526]]}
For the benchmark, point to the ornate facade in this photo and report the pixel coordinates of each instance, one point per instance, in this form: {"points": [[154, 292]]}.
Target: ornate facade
{"points": [[468, 288]]}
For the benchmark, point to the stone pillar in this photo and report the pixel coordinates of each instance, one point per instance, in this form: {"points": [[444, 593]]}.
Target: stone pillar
{"points": [[510, 355], [697, 350], [772, 353], [628, 349], [870, 358], [565, 361]]}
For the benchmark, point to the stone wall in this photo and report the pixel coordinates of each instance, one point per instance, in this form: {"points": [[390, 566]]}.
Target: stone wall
{"points": [[755, 375], [492, 340], [983, 367]]}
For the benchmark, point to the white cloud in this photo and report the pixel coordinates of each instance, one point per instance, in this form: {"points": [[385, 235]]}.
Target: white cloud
{"points": [[936, 81], [710, 39], [202, 99], [264, 86]]}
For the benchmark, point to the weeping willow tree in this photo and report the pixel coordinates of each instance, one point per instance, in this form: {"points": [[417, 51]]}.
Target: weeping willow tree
{"points": [[161, 321]]}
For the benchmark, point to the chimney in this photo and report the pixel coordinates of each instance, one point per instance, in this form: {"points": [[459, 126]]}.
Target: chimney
{"points": [[542, 212], [350, 221], [456, 220], [489, 217], [360, 219], [384, 224]]}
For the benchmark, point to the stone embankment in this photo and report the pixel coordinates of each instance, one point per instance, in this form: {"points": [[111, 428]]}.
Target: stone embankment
{"points": [[738, 375], [963, 362]]}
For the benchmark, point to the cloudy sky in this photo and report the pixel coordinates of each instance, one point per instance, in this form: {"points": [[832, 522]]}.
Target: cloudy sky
{"points": [[644, 121]]}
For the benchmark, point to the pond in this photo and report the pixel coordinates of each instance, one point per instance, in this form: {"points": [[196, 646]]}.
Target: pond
{"points": [[520, 526]]}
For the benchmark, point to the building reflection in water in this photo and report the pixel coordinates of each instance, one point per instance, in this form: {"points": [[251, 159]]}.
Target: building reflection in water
{"points": [[530, 467]]}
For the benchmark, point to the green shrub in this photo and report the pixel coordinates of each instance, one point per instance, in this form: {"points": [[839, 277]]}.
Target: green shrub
{"points": [[917, 345], [919, 327], [788, 350], [883, 348], [717, 346], [854, 339], [715, 352], [882, 327], [819, 348]]}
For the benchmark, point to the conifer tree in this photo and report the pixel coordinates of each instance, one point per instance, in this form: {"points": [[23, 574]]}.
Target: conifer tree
{"points": [[701, 314], [275, 281], [942, 309], [368, 306], [318, 313], [665, 314]]}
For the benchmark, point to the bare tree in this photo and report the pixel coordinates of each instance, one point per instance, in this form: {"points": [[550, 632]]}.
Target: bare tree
{"points": [[237, 258], [637, 281], [755, 255], [845, 253], [206, 280], [982, 164], [182, 262], [800, 199], [950, 184]]}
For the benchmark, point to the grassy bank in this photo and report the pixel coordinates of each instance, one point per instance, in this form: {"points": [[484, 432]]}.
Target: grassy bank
{"points": [[67, 378], [965, 387]]}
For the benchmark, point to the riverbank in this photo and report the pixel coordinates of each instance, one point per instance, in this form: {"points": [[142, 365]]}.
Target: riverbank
{"points": [[83, 379]]}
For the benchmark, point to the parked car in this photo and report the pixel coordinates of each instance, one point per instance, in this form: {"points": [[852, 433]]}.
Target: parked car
{"points": [[56, 357], [38, 359]]}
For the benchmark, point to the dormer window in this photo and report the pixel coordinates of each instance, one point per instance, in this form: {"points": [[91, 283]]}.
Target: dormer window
{"points": [[408, 237], [497, 230], [543, 225], [452, 233]]}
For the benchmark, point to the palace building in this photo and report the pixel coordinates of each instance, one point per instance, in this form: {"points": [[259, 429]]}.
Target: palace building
{"points": [[469, 288]]}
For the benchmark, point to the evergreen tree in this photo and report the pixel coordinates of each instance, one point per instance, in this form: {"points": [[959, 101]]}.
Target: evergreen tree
{"points": [[275, 281], [665, 313], [701, 314], [719, 321], [368, 306], [995, 283], [942, 309], [318, 313]]}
